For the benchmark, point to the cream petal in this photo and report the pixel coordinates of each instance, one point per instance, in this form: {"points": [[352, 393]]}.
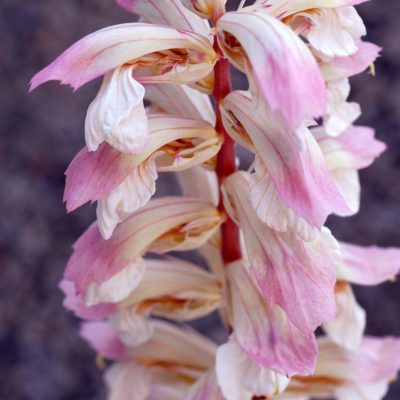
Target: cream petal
{"points": [[118, 287], [241, 379], [117, 114], [133, 329], [348, 327], [128, 380], [205, 8], [167, 12], [199, 182], [340, 114], [280, 9], [134, 192], [205, 388], [181, 100], [334, 32]]}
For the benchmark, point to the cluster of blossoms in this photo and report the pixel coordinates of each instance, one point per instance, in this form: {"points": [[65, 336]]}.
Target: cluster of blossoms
{"points": [[275, 272]]}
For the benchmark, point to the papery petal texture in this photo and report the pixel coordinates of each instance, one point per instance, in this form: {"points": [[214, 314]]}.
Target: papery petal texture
{"points": [[283, 73], [368, 265], [295, 163], [76, 303], [206, 388], [181, 100], [114, 46], [293, 274], [264, 332], [343, 67], [348, 327], [162, 225], [122, 182], [167, 12], [175, 289], [117, 114], [241, 379]]}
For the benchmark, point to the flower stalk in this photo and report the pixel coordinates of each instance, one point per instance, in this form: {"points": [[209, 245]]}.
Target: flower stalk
{"points": [[226, 158]]}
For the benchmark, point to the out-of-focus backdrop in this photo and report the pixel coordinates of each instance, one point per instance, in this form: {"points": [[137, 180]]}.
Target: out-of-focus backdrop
{"points": [[41, 355]]}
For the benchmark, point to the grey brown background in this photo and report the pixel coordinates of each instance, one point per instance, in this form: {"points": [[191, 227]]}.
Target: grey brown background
{"points": [[41, 356]]}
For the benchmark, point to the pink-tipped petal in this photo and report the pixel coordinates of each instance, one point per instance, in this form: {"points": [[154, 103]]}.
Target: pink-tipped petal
{"points": [[92, 175], [295, 163], [117, 45], [368, 265], [343, 67], [96, 261], [76, 303], [264, 331], [282, 71], [104, 339], [298, 276]]}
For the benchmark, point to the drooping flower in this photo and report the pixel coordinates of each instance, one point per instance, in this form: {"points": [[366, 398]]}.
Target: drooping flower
{"points": [[361, 266], [129, 55], [292, 165], [284, 76], [263, 330], [163, 366], [343, 374], [103, 270], [291, 273], [122, 183]]}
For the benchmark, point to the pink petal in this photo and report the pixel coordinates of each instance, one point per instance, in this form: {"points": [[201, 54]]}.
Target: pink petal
{"points": [[95, 260], [76, 304], [92, 175], [282, 70], [368, 265], [102, 337], [342, 67], [113, 46], [264, 331], [360, 143], [298, 276], [297, 170]]}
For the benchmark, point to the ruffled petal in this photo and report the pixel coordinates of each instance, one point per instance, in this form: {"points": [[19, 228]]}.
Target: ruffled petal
{"points": [[111, 47], [117, 114], [242, 379], [283, 73], [294, 162], [162, 225], [293, 274]]}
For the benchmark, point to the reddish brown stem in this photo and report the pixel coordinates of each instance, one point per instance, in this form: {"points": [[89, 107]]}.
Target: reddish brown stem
{"points": [[226, 163]]}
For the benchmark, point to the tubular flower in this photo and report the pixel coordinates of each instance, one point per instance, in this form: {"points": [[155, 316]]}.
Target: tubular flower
{"points": [[273, 272], [122, 183]]}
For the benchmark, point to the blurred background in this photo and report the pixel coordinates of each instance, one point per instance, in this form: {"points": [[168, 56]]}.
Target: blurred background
{"points": [[41, 355]]}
